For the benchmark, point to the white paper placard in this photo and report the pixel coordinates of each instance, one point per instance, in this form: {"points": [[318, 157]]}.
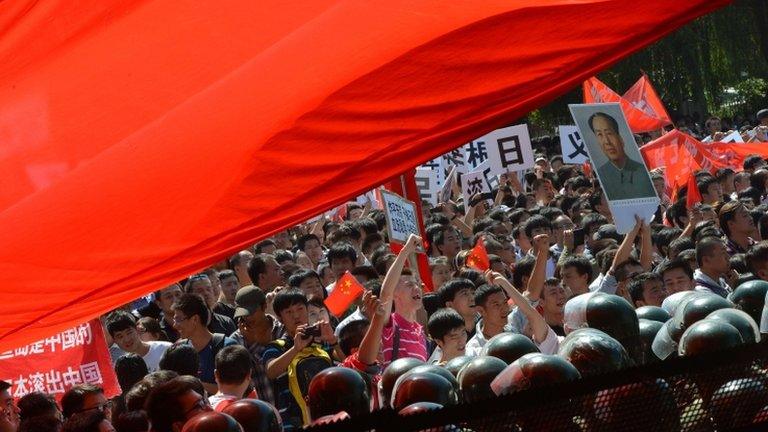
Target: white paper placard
{"points": [[473, 183], [617, 163], [426, 182], [733, 137], [401, 217], [509, 149], [572, 145]]}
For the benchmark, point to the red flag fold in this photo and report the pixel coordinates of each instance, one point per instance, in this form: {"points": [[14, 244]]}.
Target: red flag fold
{"points": [[345, 292], [694, 196], [478, 256]]}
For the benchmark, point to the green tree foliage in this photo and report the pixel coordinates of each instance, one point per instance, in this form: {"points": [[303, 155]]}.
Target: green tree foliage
{"points": [[717, 64]]}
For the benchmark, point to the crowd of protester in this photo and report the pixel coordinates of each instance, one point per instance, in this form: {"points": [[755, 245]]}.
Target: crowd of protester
{"points": [[251, 341]]}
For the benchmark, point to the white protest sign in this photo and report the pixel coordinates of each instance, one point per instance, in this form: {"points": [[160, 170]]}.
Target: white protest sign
{"points": [[426, 182], [473, 183], [475, 153], [401, 217], [733, 137], [446, 191], [454, 158], [436, 165], [509, 149], [572, 145], [490, 175], [617, 163]]}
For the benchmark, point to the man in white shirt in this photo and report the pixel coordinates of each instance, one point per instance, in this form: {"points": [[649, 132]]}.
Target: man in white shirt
{"points": [[121, 325]]}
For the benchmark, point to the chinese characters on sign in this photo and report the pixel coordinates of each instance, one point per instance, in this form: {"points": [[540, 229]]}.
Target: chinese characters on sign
{"points": [[509, 149], [75, 356], [572, 145], [401, 217]]}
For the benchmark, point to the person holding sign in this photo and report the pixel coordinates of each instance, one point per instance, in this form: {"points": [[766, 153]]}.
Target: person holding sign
{"points": [[621, 176]]}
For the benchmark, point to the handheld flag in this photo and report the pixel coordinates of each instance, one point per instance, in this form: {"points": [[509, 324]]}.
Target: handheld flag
{"points": [[345, 292], [694, 196], [478, 256], [587, 168]]}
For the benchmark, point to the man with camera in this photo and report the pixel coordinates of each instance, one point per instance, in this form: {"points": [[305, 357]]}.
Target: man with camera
{"points": [[299, 355]]}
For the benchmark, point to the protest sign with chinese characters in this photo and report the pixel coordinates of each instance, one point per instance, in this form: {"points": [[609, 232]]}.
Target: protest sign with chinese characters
{"points": [[428, 184], [473, 183], [78, 355], [572, 145], [619, 167], [401, 217], [509, 149]]}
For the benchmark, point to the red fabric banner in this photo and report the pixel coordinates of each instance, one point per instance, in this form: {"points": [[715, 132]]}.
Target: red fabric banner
{"points": [[641, 104], [681, 155], [78, 355], [143, 141], [693, 196]]}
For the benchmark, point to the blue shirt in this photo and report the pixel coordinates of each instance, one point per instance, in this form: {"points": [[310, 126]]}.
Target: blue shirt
{"points": [[207, 359]]}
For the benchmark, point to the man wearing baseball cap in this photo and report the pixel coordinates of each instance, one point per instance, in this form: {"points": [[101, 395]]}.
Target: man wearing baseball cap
{"points": [[255, 329]]}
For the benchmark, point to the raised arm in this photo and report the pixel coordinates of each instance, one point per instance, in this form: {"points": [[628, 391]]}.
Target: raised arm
{"points": [[646, 247], [539, 275], [368, 352], [622, 254], [538, 323], [394, 272]]}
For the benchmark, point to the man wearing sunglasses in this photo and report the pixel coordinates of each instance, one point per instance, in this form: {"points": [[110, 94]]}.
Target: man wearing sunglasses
{"points": [[85, 397]]}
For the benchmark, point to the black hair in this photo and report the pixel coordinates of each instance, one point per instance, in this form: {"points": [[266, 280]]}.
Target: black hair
{"points": [[723, 173], [191, 305], [130, 368], [443, 321], [366, 271], [224, 274], [258, 266], [300, 276], [341, 250], [43, 423], [180, 358], [73, 399], [374, 286], [751, 193], [473, 275], [449, 289], [351, 335], [381, 263], [523, 269], [37, 404], [739, 263], [119, 320], [484, 224], [727, 213], [370, 240], [484, 291], [677, 263], [379, 217], [432, 302], [285, 299], [680, 244], [663, 238], [621, 272], [550, 213], [612, 121], [137, 395], [536, 222], [162, 405], [637, 284], [705, 183], [757, 257], [580, 263], [236, 260], [705, 247], [87, 421], [367, 225], [302, 241], [347, 231], [131, 421], [589, 221], [263, 244], [233, 364], [517, 215], [752, 161], [283, 256]]}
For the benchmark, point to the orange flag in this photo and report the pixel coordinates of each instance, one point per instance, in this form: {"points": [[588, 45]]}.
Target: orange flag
{"points": [[694, 196], [345, 292], [478, 257]]}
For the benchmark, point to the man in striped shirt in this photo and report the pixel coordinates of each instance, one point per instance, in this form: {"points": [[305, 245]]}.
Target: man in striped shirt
{"points": [[402, 336]]}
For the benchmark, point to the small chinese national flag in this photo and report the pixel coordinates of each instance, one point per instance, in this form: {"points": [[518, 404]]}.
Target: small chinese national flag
{"points": [[587, 168], [694, 196], [345, 292], [478, 256]]}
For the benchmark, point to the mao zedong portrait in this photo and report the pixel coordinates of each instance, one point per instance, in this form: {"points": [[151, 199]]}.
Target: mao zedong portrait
{"points": [[621, 176]]}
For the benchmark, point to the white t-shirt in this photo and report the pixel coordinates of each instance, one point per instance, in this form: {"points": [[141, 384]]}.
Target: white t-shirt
{"points": [[156, 351]]}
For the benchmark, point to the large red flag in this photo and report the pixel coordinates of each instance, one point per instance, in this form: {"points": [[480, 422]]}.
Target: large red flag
{"points": [[346, 290], [478, 256], [641, 105], [145, 140]]}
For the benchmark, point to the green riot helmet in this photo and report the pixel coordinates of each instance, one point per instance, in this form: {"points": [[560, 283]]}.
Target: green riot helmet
{"points": [[476, 376], [593, 352], [653, 313]]}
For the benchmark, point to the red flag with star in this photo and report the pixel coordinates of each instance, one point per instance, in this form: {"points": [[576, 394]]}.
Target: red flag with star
{"points": [[345, 292], [478, 256]]}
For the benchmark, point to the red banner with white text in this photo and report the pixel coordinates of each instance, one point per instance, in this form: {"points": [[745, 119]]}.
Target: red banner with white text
{"points": [[78, 355]]}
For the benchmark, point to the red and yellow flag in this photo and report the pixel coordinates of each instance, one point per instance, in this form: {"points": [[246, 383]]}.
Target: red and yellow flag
{"points": [[478, 256], [345, 292]]}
